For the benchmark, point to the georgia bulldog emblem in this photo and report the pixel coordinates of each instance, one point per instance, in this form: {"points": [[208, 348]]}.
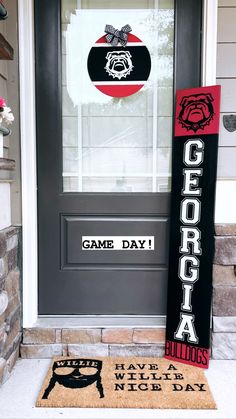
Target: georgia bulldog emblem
{"points": [[119, 64], [119, 70], [196, 111]]}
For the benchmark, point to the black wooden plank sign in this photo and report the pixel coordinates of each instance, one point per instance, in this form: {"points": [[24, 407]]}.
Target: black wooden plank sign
{"points": [[192, 225]]}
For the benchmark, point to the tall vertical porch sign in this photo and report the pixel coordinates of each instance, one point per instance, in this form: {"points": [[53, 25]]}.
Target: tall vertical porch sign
{"points": [[192, 225]]}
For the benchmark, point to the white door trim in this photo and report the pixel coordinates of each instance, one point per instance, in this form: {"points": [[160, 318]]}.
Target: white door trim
{"points": [[28, 162], [28, 140], [209, 45]]}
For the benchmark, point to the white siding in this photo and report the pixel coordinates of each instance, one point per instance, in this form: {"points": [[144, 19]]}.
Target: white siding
{"points": [[226, 60], [228, 94], [226, 77], [3, 80], [227, 3], [226, 26], [5, 207], [227, 139], [226, 163], [13, 98], [225, 208], [9, 89]]}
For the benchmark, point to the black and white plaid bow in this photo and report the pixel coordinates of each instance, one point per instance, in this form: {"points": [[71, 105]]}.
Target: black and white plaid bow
{"points": [[114, 36]]}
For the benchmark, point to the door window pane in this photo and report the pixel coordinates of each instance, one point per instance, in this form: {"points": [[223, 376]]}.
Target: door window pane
{"points": [[117, 144]]}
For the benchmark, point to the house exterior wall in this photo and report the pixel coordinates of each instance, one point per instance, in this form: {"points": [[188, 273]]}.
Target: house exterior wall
{"points": [[224, 293], [9, 90], [226, 77], [44, 342], [10, 296], [14, 150], [3, 63], [128, 341], [10, 208], [224, 270]]}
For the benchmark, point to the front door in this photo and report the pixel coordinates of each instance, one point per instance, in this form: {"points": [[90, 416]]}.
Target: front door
{"points": [[104, 163]]}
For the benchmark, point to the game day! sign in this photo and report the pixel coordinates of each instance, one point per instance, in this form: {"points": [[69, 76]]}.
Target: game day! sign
{"points": [[192, 225]]}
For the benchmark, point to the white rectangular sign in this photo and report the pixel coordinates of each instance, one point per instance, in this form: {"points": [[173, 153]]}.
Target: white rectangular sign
{"points": [[118, 243]]}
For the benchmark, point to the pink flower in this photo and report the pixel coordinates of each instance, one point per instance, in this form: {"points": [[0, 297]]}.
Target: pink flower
{"points": [[5, 112], [2, 102]]}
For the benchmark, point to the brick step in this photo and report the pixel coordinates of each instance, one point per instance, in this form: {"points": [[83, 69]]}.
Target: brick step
{"points": [[48, 342]]}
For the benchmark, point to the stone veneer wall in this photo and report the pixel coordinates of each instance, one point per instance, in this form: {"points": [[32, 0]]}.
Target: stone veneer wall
{"points": [[10, 306], [48, 342], [224, 293]]}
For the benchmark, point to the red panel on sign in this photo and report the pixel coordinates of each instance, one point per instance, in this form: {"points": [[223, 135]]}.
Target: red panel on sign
{"points": [[131, 38], [187, 354], [119, 90], [197, 111]]}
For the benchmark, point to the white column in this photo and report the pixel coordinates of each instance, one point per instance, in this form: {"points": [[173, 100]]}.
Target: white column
{"points": [[28, 161]]}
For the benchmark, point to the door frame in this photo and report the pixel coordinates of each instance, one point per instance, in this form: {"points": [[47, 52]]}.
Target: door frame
{"points": [[28, 141]]}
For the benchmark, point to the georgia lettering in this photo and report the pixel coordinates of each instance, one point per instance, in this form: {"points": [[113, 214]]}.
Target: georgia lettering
{"points": [[195, 150], [190, 249]]}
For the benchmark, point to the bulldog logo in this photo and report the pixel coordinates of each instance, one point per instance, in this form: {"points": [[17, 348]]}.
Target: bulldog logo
{"points": [[119, 64], [75, 374], [196, 111]]}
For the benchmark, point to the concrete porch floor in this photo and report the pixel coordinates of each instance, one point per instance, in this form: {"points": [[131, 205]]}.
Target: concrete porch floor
{"points": [[18, 395]]}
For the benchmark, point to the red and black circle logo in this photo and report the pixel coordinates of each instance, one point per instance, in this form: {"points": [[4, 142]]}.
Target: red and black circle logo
{"points": [[119, 71]]}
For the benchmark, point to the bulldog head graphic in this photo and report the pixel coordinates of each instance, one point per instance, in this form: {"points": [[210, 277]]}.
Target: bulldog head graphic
{"points": [[196, 111], [119, 64]]}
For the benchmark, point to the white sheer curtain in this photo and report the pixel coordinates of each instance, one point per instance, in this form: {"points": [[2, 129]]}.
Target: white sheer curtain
{"points": [[117, 145]]}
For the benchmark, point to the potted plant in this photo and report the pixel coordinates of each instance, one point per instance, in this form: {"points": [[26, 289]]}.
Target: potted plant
{"points": [[7, 117]]}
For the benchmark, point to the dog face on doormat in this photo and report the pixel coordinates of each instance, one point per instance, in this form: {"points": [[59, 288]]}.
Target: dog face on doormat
{"points": [[76, 373]]}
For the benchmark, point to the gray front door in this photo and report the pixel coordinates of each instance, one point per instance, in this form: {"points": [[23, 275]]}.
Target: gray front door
{"points": [[104, 164]]}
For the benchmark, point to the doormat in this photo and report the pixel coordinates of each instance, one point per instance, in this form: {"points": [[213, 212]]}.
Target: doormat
{"points": [[149, 383]]}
